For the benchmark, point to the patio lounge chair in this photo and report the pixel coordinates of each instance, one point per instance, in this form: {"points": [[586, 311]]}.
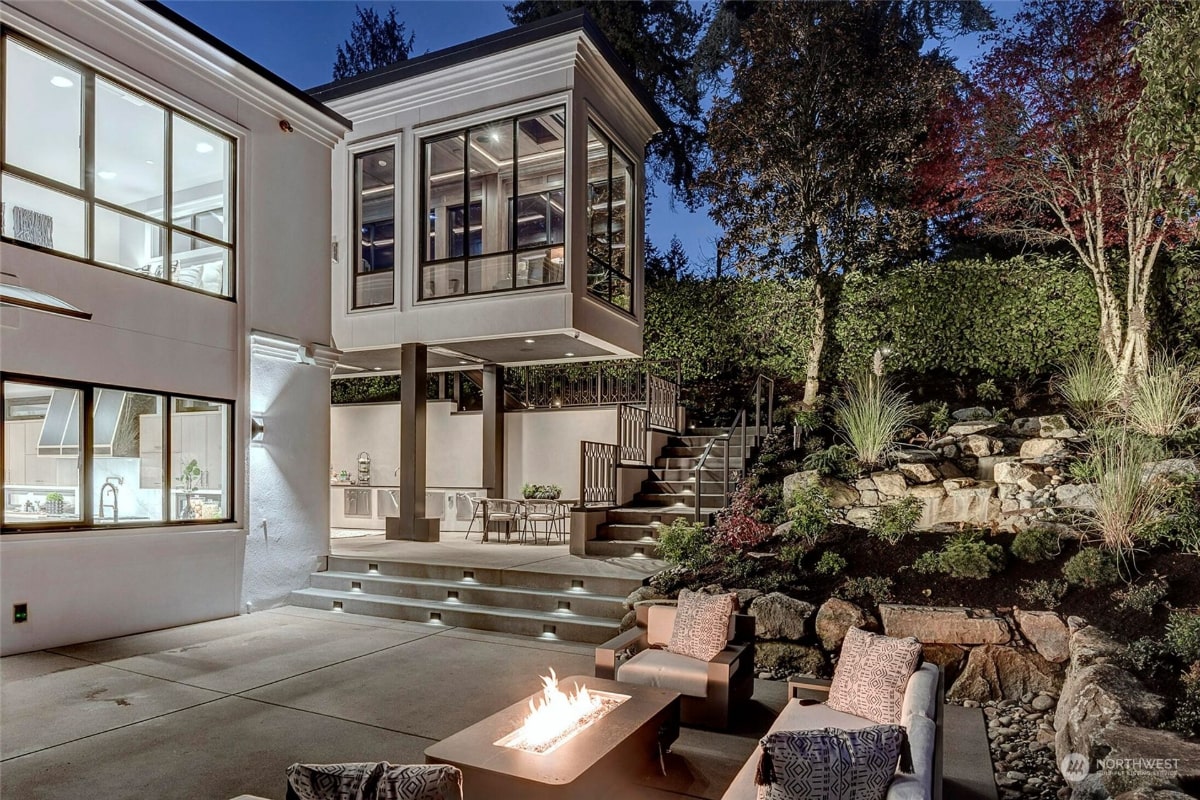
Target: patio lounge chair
{"points": [[370, 780], [710, 689]]}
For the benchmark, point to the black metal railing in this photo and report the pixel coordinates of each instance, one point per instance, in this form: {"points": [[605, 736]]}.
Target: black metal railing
{"points": [[761, 408], [662, 399], [632, 424], [651, 384], [598, 463]]}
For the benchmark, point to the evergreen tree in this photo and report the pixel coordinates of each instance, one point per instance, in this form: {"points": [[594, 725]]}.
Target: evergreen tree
{"points": [[375, 41]]}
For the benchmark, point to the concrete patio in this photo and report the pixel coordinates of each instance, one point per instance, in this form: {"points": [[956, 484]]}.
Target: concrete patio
{"points": [[220, 708]]}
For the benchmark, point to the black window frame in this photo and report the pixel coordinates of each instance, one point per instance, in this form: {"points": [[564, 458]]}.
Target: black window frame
{"points": [[85, 494], [87, 191], [602, 265], [356, 270]]}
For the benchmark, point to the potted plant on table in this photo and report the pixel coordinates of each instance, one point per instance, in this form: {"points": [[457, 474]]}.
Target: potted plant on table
{"points": [[54, 503]]}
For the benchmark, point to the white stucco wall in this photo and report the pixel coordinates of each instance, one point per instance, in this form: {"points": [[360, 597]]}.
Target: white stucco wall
{"points": [[543, 446]]}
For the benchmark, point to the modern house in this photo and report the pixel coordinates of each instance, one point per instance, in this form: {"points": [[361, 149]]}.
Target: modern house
{"points": [[166, 340]]}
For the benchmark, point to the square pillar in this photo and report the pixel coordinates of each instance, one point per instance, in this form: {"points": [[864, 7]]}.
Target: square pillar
{"points": [[493, 429], [412, 523]]}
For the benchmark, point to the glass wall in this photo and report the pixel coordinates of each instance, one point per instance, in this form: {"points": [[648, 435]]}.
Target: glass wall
{"points": [[149, 457], [610, 186], [494, 206], [375, 190], [97, 171]]}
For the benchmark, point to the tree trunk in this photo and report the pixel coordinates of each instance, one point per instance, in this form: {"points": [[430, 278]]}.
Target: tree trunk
{"points": [[812, 371]]}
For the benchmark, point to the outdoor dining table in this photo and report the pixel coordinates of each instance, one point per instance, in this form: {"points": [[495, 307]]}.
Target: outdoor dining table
{"points": [[485, 502]]}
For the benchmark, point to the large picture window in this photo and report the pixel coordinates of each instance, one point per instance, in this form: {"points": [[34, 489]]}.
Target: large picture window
{"points": [[79, 456], [610, 187], [94, 170], [375, 216], [494, 206]]}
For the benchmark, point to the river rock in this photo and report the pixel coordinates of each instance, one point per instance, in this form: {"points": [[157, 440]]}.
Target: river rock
{"points": [[1096, 698], [890, 483], [786, 658], [978, 444], [920, 472], [841, 494], [777, 616], [1082, 496], [1046, 631], [993, 672], [944, 625], [1039, 448], [837, 616]]}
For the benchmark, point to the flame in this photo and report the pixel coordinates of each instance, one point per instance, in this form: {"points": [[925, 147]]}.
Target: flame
{"points": [[554, 714]]}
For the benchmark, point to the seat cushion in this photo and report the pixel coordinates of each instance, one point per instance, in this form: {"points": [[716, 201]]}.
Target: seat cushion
{"points": [[872, 675], [701, 624], [374, 781], [829, 763], [922, 735], [663, 669], [921, 695]]}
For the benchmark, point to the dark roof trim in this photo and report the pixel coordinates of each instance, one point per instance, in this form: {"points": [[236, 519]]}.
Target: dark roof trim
{"points": [[244, 60], [566, 22]]}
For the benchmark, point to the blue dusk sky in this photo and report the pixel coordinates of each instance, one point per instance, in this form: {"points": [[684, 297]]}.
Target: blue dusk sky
{"points": [[298, 41]]}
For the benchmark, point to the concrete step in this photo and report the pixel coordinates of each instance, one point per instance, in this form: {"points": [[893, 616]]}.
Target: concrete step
{"points": [[674, 499], [653, 486], [624, 532], [601, 585], [715, 462], [471, 593], [555, 624], [680, 475], [644, 515], [686, 451], [621, 549]]}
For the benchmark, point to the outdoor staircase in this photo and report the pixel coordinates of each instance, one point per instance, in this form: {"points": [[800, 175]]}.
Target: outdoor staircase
{"points": [[579, 608], [668, 494]]}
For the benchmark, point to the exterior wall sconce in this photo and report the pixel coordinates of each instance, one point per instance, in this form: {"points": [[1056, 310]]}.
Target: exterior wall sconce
{"points": [[257, 428]]}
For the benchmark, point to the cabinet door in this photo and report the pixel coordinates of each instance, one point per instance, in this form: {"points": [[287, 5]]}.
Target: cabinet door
{"points": [[14, 453], [150, 473], [66, 471], [215, 461]]}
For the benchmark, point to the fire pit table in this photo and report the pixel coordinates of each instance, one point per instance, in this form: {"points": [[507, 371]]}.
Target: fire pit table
{"points": [[617, 749]]}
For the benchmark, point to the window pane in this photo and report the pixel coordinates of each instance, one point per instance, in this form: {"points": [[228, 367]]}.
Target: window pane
{"points": [[375, 178], [42, 216], [540, 267], [127, 457], [200, 264], [621, 184], [41, 473], [130, 149], [443, 191], [199, 459], [200, 186], [490, 160], [466, 230], [43, 115], [541, 171], [128, 242], [491, 273], [442, 280], [622, 293], [598, 195]]}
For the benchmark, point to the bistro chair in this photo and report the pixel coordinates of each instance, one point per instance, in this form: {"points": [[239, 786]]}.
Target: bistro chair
{"points": [[464, 501], [544, 511], [506, 511]]}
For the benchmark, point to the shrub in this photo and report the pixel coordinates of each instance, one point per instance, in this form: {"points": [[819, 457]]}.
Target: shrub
{"points": [[988, 392], [686, 544], [835, 461], [1142, 597], [1090, 385], [1043, 593], [1035, 544], [1162, 398], [1128, 509], [1187, 711], [875, 588], [1084, 470], [1147, 656], [738, 525], [810, 514], [1183, 635], [806, 420], [1179, 528], [966, 555], [830, 563], [894, 521], [871, 416], [1091, 567]]}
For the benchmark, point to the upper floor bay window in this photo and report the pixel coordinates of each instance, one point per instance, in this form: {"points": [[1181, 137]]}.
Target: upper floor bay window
{"points": [[494, 206], [97, 171], [610, 189], [375, 216]]}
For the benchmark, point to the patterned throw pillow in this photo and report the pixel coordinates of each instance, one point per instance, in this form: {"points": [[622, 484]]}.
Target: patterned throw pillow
{"points": [[872, 674], [830, 763], [701, 624], [373, 781]]}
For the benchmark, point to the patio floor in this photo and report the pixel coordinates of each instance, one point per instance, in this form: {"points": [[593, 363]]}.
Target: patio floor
{"points": [[220, 708]]}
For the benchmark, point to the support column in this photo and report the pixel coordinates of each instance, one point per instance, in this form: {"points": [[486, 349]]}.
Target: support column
{"points": [[493, 429], [412, 523]]}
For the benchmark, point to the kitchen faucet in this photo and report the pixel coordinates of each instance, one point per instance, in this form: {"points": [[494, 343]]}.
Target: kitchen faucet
{"points": [[108, 484]]}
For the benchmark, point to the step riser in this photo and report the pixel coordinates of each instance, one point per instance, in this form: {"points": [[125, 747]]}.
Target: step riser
{"points": [[476, 595], [616, 587], [626, 533], [611, 549], [666, 517], [564, 627], [681, 487], [667, 500], [714, 463], [683, 475], [718, 451]]}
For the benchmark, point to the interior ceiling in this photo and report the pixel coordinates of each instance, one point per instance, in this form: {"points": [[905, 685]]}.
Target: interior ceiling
{"points": [[512, 350]]}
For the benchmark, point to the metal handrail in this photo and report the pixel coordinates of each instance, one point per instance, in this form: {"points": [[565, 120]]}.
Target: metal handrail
{"points": [[739, 422]]}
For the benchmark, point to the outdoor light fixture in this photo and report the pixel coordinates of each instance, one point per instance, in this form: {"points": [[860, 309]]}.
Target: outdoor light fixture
{"points": [[257, 428]]}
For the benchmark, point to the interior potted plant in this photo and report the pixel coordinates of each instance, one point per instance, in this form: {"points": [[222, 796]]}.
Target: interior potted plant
{"points": [[54, 503], [190, 479]]}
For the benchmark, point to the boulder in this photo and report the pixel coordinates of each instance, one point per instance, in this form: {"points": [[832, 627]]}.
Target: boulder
{"points": [[837, 616], [978, 444], [1176, 760], [949, 657], [1096, 698], [914, 455], [777, 616], [890, 483], [869, 499], [1039, 448], [993, 672], [1027, 426], [971, 505], [785, 658], [865, 485], [1046, 631], [920, 473], [1170, 466], [1055, 426], [628, 621], [1083, 496], [841, 494], [1012, 472], [972, 413], [745, 597], [1150, 793], [950, 484], [643, 593], [782, 529], [1034, 482], [961, 429], [1091, 645], [862, 517], [949, 469], [945, 625]]}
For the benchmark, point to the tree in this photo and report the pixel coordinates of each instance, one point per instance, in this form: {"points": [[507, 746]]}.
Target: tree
{"points": [[656, 38], [811, 146], [1044, 155], [374, 42]]}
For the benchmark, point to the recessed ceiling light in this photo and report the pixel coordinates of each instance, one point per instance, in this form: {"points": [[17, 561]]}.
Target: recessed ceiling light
{"points": [[461, 361], [107, 174], [150, 162], [529, 341], [203, 147], [62, 82], [377, 369], [383, 162], [568, 355]]}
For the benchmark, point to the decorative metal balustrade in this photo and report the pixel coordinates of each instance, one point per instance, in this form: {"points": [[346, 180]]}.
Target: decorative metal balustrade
{"points": [[652, 385], [598, 463], [662, 399], [632, 423]]}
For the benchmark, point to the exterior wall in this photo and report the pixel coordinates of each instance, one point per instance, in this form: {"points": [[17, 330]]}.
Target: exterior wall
{"points": [[145, 335], [543, 446]]}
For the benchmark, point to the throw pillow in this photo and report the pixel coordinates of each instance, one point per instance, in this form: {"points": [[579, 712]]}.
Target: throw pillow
{"points": [[872, 674], [373, 781], [831, 764], [701, 624]]}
